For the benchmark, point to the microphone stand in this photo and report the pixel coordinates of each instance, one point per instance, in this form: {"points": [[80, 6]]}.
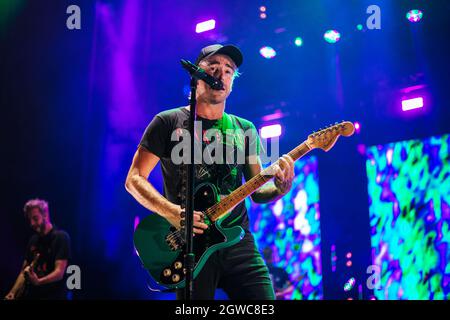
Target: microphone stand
{"points": [[189, 259], [189, 215]]}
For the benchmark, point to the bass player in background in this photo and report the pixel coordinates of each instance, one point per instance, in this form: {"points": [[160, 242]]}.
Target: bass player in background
{"points": [[46, 258]]}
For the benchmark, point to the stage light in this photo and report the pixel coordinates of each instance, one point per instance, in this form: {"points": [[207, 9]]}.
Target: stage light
{"points": [[332, 36], [414, 15], [349, 263], [411, 104], [359, 27], [267, 52], [263, 15], [348, 255], [205, 26], [270, 131], [357, 127], [349, 284], [298, 41], [262, 9]]}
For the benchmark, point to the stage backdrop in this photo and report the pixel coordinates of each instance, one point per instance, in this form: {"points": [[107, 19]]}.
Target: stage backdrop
{"points": [[291, 228], [409, 190]]}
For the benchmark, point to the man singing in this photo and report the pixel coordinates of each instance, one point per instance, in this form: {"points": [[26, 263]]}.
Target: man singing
{"points": [[239, 269]]}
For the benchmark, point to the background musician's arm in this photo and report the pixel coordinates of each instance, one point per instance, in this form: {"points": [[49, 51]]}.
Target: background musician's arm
{"points": [[18, 284], [55, 275]]}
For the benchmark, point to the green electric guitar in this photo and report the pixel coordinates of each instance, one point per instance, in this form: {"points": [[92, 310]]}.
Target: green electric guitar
{"points": [[161, 247]]}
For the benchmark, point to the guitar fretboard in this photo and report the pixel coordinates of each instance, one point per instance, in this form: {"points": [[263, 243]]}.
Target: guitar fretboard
{"points": [[229, 202]]}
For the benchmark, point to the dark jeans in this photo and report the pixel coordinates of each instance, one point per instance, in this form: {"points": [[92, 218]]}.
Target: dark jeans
{"points": [[239, 270]]}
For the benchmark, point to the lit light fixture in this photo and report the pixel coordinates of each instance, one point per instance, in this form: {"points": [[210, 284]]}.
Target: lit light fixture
{"points": [[267, 52], [271, 131], [411, 104], [205, 26], [350, 284], [298, 41], [332, 36], [357, 127], [414, 15]]}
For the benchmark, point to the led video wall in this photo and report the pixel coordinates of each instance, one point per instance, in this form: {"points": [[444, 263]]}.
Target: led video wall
{"points": [[409, 196], [291, 228]]}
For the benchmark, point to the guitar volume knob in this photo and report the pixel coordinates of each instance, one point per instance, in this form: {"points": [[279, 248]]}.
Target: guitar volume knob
{"points": [[175, 278], [167, 272]]}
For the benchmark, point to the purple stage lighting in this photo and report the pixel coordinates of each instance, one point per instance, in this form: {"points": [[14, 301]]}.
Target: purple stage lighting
{"points": [[137, 220], [205, 26], [411, 104], [270, 131], [357, 127]]}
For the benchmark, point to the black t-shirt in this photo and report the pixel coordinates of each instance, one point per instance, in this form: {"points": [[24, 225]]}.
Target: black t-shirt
{"points": [[55, 245], [236, 137]]}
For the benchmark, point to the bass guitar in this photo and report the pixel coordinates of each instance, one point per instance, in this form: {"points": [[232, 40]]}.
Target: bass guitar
{"points": [[24, 284]]}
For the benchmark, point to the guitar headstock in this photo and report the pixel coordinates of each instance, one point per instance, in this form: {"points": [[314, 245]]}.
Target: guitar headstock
{"points": [[326, 138]]}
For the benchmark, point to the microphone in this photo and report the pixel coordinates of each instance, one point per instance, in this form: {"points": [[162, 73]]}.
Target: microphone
{"points": [[200, 74]]}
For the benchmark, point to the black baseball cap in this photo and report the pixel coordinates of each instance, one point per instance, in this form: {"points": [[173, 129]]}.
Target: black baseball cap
{"points": [[229, 50]]}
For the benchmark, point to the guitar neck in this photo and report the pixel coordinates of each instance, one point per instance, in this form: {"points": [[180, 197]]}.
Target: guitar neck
{"points": [[229, 202]]}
